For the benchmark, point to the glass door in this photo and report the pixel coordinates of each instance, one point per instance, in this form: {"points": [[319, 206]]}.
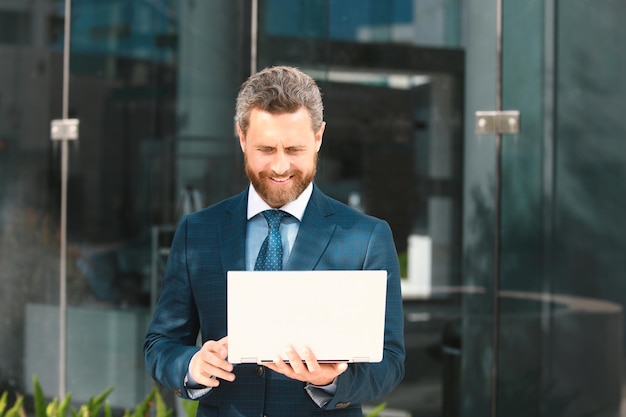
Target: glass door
{"points": [[154, 95], [479, 328], [542, 229], [392, 78]]}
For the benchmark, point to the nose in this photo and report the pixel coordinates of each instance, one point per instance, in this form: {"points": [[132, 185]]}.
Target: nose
{"points": [[280, 162]]}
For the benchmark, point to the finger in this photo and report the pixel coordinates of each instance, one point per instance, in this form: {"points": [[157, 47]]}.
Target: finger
{"points": [[201, 371], [280, 366], [223, 342], [221, 373], [341, 367], [210, 376], [211, 382], [274, 366], [211, 364], [311, 361], [295, 361], [217, 348], [216, 352]]}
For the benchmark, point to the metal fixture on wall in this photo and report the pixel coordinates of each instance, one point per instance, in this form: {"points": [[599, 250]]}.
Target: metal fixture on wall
{"points": [[64, 130], [497, 122]]}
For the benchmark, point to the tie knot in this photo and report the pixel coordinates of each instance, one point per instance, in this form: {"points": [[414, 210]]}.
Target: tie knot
{"points": [[274, 217]]}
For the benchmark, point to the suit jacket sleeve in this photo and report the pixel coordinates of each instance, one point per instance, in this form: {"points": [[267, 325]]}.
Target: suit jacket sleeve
{"points": [[370, 381], [170, 342]]}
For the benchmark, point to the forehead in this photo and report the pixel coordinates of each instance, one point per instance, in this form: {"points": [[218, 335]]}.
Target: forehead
{"points": [[263, 123], [259, 114]]}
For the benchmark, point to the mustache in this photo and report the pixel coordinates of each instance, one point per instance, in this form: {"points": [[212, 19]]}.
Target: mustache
{"points": [[273, 174]]}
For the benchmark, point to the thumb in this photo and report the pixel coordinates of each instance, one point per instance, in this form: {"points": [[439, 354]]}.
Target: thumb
{"points": [[341, 367]]}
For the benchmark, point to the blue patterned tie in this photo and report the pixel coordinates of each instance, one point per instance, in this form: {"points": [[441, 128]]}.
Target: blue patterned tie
{"points": [[271, 254]]}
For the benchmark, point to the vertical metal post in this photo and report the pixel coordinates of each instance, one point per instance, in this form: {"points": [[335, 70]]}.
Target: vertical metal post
{"points": [[497, 220], [498, 122], [154, 271], [254, 29], [549, 154], [63, 233]]}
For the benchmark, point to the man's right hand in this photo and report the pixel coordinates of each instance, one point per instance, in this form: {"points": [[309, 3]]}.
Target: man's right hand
{"points": [[209, 364]]}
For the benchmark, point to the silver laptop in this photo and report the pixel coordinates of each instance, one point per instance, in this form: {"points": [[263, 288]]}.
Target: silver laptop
{"points": [[339, 315]]}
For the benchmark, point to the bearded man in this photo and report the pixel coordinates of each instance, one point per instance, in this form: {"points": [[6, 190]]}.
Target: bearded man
{"points": [[279, 118]]}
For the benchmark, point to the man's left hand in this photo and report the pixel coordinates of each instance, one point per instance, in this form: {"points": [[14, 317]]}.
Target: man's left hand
{"points": [[303, 366]]}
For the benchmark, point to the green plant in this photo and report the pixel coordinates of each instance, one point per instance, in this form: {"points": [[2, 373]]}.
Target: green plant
{"points": [[190, 407], [377, 410], [403, 260], [14, 411], [143, 409], [54, 408], [91, 408]]}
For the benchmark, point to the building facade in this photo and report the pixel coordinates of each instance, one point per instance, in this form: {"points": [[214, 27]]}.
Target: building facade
{"points": [[511, 242]]}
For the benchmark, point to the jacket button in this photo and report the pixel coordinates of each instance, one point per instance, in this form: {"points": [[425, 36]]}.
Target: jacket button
{"points": [[259, 370], [343, 405], [178, 393]]}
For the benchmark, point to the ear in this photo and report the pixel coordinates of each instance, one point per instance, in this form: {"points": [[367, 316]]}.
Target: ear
{"points": [[242, 138], [318, 136]]}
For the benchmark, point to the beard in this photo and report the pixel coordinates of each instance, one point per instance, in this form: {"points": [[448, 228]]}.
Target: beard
{"points": [[279, 196]]}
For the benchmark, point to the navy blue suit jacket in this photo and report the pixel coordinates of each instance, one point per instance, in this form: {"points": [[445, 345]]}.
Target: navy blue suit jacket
{"points": [[207, 244]]}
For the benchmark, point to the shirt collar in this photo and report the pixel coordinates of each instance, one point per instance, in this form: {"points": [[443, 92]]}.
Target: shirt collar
{"points": [[296, 208]]}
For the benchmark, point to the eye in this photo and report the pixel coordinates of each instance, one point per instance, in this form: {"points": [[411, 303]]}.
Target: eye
{"points": [[294, 150]]}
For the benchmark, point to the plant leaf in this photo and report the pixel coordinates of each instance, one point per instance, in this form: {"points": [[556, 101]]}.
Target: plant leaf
{"points": [[376, 411], [191, 407], [142, 409], [16, 410], [39, 398], [64, 405], [107, 409], [53, 408], [161, 407], [94, 403], [3, 402]]}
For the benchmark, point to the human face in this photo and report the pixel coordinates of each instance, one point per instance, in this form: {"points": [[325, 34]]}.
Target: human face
{"points": [[280, 154]]}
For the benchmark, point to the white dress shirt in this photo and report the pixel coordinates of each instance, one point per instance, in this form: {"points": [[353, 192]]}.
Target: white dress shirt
{"points": [[257, 224]]}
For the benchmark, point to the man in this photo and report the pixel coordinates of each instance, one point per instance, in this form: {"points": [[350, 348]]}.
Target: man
{"points": [[279, 116]]}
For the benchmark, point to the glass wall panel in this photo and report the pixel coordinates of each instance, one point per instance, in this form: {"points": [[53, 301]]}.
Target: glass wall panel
{"points": [[588, 240], [562, 296], [522, 281], [476, 393], [414, 22], [393, 149], [29, 187], [153, 85]]}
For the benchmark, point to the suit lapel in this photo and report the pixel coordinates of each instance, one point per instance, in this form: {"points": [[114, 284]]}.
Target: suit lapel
{"points": [[314, 234], [233, 234]]}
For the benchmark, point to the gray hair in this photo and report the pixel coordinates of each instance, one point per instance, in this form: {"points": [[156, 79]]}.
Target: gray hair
{"points": [[279, 90]]}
